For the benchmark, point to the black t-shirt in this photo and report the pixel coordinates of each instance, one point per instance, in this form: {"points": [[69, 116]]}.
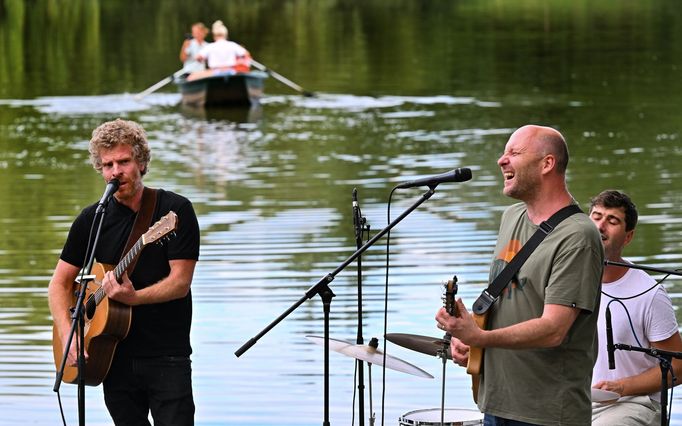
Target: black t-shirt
{"points": [[157, 329]]}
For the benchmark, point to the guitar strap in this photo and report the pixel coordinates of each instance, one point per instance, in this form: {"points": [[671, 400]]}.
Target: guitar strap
{"points": [[490, 294], [143, 221]]}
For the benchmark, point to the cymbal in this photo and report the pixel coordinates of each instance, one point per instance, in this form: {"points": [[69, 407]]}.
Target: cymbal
{"points": [[370, 354], [424, 344]]}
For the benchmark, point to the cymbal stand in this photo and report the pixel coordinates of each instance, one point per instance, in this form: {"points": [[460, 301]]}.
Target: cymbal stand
{"points": [[322, 288], [372, 415]]}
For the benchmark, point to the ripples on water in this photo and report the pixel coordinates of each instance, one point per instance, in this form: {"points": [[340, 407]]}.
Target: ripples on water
{"points": [[272, 191]]}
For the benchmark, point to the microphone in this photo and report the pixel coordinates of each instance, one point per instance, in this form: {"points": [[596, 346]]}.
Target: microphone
{"points": [[609, 340], [356, 221], [457, 175], [111, 188]]}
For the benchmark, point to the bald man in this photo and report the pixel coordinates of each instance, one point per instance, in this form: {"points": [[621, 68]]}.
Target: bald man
{"points": [[540, 340]]}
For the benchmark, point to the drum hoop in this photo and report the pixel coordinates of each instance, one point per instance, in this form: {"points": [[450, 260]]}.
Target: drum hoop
{"points": [[405, 421]]}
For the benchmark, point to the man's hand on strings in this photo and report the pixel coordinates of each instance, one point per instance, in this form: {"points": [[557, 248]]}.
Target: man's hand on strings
{"points": [[123, 292]]}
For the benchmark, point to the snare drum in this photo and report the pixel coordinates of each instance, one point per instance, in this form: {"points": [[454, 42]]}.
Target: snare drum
{"points": [[452, 417]]}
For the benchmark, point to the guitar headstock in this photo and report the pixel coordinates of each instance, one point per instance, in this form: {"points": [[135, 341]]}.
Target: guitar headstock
{"points": [[161, 229], [449, 294]]}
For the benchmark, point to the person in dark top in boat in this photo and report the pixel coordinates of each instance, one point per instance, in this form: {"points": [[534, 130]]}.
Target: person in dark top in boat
{"points": [[151, 368]]}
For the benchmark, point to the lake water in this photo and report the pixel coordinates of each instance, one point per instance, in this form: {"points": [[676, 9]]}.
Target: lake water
{"points": [[404, 89]]}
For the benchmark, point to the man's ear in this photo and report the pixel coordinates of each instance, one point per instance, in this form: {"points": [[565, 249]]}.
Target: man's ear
{"points": [[548, 163], [629, 235]]}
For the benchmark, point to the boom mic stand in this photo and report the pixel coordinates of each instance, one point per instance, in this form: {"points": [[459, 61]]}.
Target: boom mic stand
{"points": [[642, 267], [78, 322], [664, 357], [322, 289]]}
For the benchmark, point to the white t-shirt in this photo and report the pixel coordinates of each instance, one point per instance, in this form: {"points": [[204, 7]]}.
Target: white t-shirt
{"points": [[653, 319], [192, 50], [222, 53]]}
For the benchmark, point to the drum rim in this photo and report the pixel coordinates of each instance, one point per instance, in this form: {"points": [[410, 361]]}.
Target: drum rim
{"points": [[417, 422]]}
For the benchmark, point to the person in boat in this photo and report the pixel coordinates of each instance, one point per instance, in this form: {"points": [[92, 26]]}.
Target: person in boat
{"points": [[151, 367], [191, 47], [222, 55], [639, 305], [539, 344]]}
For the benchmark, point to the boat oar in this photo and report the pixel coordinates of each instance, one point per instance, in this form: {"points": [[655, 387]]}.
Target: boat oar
{"points": [[282, 79], [160, 84]]}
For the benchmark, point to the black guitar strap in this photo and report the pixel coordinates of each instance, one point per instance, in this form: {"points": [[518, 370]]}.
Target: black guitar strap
{"points": [[490, 294], [143, 221]]}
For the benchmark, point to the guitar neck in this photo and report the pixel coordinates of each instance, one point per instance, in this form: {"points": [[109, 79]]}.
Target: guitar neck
{"points": [[121, 268], [165, 227], [128, 259]]}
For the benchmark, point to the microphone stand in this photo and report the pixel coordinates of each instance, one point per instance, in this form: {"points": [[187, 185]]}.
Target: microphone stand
{"points": [[322, 289], [359, 223], [664, 357], [665, 363], [78, 322], [642, 267]]}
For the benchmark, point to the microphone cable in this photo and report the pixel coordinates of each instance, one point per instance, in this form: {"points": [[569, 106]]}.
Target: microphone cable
{"points": [[632, 326], [388, 252]]}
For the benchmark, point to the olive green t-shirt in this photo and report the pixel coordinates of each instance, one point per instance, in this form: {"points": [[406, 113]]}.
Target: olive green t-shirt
{"points": [[548, 386]]}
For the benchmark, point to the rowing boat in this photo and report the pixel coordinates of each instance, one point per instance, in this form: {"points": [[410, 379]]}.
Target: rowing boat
{"points": [[222, 88]]}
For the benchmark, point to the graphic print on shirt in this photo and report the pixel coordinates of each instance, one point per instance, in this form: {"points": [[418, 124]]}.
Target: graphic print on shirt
{"points": [[503, 258]]}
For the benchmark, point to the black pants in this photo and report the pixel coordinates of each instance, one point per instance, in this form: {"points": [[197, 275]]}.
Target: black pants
{"points": [[163, 385]]}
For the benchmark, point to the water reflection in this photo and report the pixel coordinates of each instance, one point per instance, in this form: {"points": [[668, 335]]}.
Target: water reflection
{"points": [[251, 114], [89, 105], [273, 198]]}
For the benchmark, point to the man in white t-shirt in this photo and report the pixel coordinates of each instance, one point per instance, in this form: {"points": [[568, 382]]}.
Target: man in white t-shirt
{"points": [[223, 53], [637, 376]]}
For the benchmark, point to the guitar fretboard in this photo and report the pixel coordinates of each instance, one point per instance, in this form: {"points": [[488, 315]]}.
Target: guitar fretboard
{"points": [[120, 269]]}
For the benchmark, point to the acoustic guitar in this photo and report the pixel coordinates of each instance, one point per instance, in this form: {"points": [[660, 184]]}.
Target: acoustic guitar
{"points": [[107, 321]]}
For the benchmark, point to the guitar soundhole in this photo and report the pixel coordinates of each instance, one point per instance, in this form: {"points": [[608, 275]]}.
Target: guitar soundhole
{"points": [[90, 307]]}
